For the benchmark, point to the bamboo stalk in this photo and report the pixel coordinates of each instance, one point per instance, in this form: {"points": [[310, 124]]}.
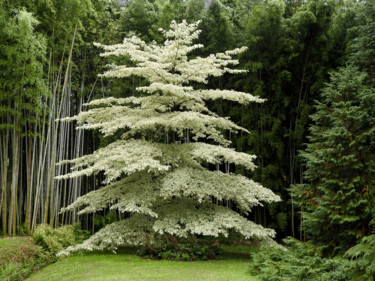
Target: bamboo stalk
{"points": [[14, 184], [4, 186], [51, 175], [45, 145]]}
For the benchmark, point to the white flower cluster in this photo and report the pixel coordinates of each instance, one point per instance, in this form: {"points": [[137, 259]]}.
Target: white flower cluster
{"points": [[118, 159], [133, 194], [165, 187], [183, 217], [131, 231], [128, 157], [202, 185], [214, 154], [180, 217]]}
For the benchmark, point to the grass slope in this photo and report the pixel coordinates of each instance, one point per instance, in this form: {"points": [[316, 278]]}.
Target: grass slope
{"points": [[16, 249], [20, 256], [126, 265]]}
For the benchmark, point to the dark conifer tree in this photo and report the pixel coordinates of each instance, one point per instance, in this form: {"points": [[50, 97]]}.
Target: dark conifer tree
{"points": [[338, 199]]}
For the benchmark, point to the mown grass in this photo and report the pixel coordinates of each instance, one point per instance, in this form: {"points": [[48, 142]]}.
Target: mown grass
{"points": [[126, 265]]}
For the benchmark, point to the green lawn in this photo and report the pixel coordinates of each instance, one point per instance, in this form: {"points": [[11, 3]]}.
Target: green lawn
{"points": [[127, 266]]}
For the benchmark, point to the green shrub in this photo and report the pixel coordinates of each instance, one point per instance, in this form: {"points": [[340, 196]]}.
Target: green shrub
{"points": [[363, 257], [169, 249], [300, 261], [57, 239]]}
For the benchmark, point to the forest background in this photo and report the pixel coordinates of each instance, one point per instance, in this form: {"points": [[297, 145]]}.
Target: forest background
{"points": [[49, 70]]}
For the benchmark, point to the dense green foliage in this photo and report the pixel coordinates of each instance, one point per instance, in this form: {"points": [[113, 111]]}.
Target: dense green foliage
{"points": [[299, 261], [338, 198], [363, 257], [55, 240], [340, 158]]}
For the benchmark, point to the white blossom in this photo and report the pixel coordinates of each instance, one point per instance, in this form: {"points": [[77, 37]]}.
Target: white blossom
{"points": [[165, 187]]}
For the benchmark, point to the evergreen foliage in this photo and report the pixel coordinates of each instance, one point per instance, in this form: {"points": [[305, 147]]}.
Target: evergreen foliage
{"points": [[339, 199], [362, 48], [156, 170], [299, 261], [363, 256]]}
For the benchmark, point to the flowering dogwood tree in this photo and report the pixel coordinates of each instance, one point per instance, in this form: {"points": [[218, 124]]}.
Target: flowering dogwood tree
{"points": [[156, 171]]}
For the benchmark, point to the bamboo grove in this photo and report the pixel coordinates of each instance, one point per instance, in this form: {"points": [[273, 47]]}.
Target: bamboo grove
{"points": [[49, 70]]}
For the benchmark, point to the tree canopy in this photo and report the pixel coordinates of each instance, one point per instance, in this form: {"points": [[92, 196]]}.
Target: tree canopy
{"points": [[167, 138]]}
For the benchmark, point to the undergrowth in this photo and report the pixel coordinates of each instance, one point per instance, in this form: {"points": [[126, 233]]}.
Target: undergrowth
{"points": [[168, 248], [21, 256], [55, 240], [299, 261], [363, 259]]}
